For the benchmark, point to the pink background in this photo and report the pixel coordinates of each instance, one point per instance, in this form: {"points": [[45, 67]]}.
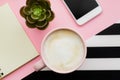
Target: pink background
{"points": [[110, 14]]}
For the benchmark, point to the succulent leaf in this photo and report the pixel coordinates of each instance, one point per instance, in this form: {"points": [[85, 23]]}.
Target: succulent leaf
{"points": [[41, 23], [50, 15], [48, 3], [21, 12], [26, 10], [42, 17], [30, 2], [30, 20], [30, 25], [43, 27]]}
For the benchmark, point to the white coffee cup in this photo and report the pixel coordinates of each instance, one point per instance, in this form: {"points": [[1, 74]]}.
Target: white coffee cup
{"points": [[62, 50]]}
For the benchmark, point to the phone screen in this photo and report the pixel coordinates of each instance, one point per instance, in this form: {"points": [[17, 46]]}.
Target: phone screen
{"points": [[81, 7]]}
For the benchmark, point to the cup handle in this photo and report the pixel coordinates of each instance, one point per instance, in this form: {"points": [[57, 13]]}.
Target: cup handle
{"points": [[39, 65]]}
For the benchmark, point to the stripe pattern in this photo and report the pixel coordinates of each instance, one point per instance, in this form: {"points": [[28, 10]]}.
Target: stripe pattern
{"points": [[105, 44]]}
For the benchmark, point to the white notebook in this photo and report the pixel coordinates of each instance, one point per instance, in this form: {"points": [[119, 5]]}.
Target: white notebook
{"points": [[15, 47]]}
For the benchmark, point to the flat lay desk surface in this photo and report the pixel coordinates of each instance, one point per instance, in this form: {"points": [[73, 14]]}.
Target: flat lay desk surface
{"points": [[110, 14]]}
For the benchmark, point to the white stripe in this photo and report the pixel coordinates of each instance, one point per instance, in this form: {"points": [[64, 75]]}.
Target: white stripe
{"points": [[104, 41], [118, 21], [100, 64]]}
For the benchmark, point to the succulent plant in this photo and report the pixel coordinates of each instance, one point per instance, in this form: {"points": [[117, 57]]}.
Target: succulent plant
{"points": [[37, 13]]}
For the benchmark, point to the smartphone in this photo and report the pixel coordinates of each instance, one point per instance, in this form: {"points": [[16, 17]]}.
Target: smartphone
{"points": [[83, 10]]}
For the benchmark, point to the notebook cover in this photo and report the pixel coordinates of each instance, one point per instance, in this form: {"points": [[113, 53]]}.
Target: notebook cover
{"points": [[15, 47]]}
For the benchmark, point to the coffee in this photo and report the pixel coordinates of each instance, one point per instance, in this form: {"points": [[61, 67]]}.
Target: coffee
{"points": [[63, 50]]}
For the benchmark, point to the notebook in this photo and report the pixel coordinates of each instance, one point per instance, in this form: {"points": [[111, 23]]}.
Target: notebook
{"points": [[15, 47]]}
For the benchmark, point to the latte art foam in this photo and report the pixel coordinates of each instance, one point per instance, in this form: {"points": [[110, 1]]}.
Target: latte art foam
{"points": [[63, 50]]}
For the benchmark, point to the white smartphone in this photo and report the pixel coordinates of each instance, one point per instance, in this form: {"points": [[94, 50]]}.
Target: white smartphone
{"points": [[83, 10]]}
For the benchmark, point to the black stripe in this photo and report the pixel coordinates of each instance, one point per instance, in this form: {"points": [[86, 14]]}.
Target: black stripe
{"points": [[112, 30], [103, 52], [77, 75]]}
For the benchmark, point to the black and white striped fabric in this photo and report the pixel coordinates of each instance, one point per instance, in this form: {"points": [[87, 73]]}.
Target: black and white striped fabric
{"points": [[104, 50], [105, 44]]}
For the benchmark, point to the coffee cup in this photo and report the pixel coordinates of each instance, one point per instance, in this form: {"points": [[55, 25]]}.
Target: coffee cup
{"points": [[63, 50]]}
